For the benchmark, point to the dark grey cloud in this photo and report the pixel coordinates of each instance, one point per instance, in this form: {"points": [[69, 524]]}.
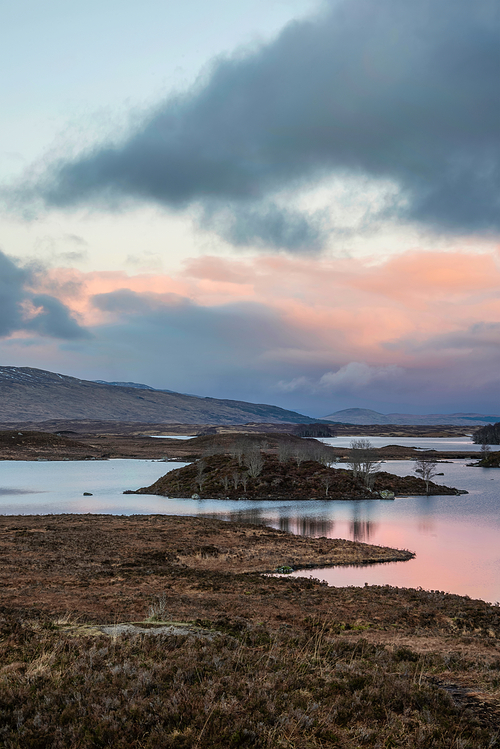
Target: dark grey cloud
{"points": [[249, 351], [234, 328], [12, 281], [405, 91], [52, 318], [269, 226], [129, 303]]}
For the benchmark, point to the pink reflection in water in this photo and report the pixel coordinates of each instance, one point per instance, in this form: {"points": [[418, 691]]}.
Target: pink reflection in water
{"points": [[451, 556]]}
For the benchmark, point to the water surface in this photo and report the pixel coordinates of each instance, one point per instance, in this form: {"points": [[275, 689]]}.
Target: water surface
{"points": [[449, 444], [456, 538]]}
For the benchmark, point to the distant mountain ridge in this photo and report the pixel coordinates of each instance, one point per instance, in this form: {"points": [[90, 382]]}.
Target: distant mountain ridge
{"points": [[362, 416], [28, 394]]}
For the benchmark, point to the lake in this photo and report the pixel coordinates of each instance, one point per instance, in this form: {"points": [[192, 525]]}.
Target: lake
{"points": [[449, 444], [456, 538]]}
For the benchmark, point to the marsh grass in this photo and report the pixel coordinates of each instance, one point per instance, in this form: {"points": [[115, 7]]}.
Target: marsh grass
{"points": [[248, 686]]}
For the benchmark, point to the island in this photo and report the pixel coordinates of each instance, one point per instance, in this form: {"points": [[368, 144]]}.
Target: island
{"points": [[263, 475]]}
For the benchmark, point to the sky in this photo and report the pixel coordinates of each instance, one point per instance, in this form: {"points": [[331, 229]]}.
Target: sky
{"points": [[292, 202]]}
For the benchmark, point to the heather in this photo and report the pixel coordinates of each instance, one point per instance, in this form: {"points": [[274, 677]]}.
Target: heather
{"points": [[215, 654], [241, 684]]}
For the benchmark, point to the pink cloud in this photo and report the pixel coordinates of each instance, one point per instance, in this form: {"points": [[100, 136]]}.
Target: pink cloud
{"points": [[348, 310]]}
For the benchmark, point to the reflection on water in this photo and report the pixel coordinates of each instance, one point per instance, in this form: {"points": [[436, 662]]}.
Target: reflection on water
{"points": [[315, 527], [16, 492], [425, 525], [455, 538], [302, 525], [362, 530], [425, 519], [284, 524]]}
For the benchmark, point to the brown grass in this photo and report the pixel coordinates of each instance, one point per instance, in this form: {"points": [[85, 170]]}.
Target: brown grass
{"points": [[271, 662], [247, 687]]}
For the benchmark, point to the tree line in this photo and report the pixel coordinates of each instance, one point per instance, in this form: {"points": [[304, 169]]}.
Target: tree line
{"points": [[488, 435]]}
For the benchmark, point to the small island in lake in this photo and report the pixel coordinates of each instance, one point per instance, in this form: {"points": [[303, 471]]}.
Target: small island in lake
{"points": [[261, 475]]}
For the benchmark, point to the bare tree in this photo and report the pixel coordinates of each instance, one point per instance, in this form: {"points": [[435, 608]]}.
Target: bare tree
{"points": [[323, 454], [300, 454], [244, 480], [236, 479], [485, 450], [200, 478], [238, 449], [213, 450], [426, 468], [363, 462], [225, 483], [285, 452], [489, 434], [326, 481], [237, 452], [254, 462]]}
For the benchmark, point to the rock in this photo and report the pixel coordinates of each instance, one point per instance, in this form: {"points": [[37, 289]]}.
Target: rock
{"points": [[386, 494]]}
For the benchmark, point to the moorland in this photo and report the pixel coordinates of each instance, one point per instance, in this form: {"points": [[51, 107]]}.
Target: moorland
{"points": [[103, 440], [155, 631]]}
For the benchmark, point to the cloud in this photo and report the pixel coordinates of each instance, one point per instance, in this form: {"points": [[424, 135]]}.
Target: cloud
{"points": [[245, 329], [310, 334], [351, 377], [481, 339], [298, 383], [23, 310], [12, 281], [54, 320], [357, 375], [269, 226], [219, 350], [405, 93]]}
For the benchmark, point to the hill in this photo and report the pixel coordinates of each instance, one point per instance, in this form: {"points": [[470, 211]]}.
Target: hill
{"points": [[363, 416], [36, 395]]}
